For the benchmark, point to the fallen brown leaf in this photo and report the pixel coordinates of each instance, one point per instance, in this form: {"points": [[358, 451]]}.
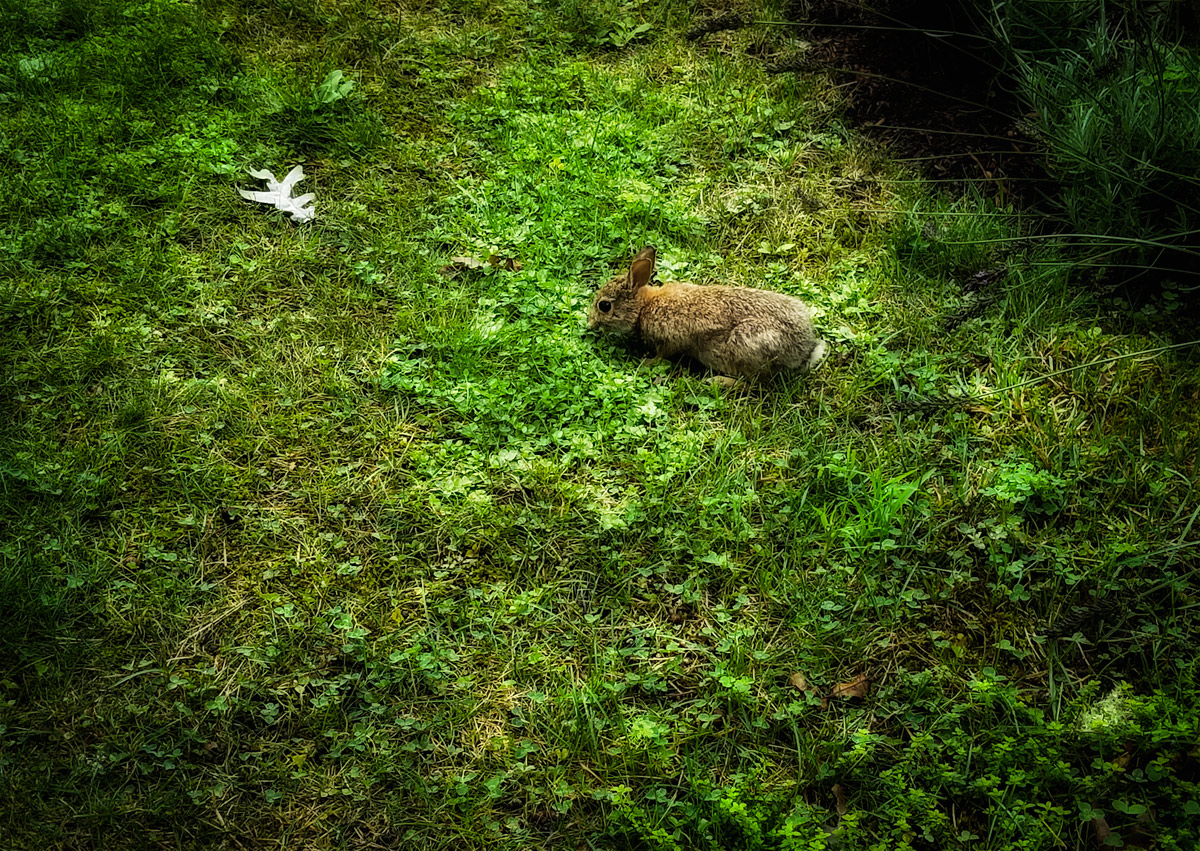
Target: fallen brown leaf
{"points": [[857, 687], [801, 682], [834, 837], [461, 264], [508, 264], [798, 680], [1139, 834]]}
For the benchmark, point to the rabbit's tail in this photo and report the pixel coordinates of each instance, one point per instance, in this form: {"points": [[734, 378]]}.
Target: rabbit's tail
{"points": [[816, 356]]}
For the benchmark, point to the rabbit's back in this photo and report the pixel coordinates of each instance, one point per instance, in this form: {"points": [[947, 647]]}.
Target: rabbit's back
{"points": [[734, 330]]}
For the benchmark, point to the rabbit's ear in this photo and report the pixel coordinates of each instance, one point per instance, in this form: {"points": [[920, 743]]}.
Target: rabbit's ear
{"points": [[641, 270]]}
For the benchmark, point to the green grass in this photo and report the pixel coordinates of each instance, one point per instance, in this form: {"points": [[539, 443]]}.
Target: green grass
{"points": [[310, 544]]}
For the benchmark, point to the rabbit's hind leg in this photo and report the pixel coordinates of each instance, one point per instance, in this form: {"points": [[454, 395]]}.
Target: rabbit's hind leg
{"points": [[753, 347]]}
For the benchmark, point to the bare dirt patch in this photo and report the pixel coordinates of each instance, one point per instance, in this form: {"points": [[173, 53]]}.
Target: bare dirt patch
{"points": [[925, 85]]}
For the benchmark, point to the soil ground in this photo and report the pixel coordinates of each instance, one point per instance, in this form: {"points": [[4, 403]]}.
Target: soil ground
{"points": [[917, 81]]}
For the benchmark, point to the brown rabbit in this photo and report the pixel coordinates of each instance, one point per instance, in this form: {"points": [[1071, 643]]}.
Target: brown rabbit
{"points": [[732, 330]]}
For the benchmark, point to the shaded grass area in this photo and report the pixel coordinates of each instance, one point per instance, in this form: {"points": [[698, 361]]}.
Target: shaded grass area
{"points": [[312, 544]]}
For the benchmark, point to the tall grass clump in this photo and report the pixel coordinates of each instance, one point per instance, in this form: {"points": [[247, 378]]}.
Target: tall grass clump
{"points": [[1112, 95]]}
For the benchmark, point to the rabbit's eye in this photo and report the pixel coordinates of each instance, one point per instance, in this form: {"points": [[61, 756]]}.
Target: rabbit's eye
{"points": [[605, 306]]}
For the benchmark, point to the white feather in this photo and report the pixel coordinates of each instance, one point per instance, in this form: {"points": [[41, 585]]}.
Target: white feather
{"points": [[279, 193]]}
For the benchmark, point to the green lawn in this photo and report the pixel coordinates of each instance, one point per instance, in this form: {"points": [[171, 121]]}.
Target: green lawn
{"points": [[313, 537]]}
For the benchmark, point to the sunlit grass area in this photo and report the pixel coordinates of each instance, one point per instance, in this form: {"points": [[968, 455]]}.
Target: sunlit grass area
{"points": [[348, 534]]}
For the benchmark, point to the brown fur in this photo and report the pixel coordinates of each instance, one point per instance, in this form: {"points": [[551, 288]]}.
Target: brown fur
{"points": [[732, 330]]}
